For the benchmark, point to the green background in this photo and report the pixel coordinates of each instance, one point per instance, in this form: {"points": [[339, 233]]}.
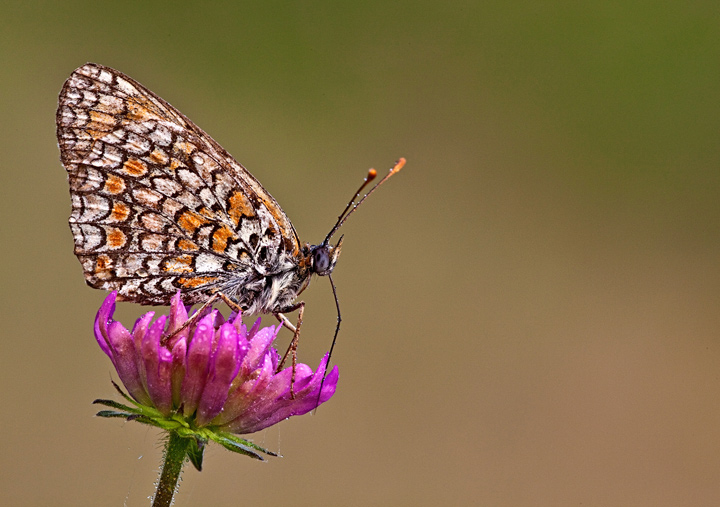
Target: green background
{"points": [[531, 308]]}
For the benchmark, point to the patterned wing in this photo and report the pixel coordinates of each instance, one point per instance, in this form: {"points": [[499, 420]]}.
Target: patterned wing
{"points": [[157, 204]]}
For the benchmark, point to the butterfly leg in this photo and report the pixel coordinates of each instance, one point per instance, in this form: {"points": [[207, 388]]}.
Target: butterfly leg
{"points": [[285, 321], [207, 304], [292, 348]]}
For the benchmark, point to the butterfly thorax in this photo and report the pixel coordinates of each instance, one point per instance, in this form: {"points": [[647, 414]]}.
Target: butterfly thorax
{"points": [[275, 290]]}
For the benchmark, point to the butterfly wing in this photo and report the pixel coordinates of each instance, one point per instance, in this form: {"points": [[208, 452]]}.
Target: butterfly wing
{"points": [[157, 204]]}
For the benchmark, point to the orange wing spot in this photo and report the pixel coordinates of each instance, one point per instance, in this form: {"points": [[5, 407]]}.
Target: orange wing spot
{"points": [[184, 147], [139, 112], [239, 206], [101, 121], [305, 261], [135, 167], [190, 221], [103, 262], [187, 245], [120, 211], [181, 264], [285, 227], [96, 134], [207, 213], [220, 239], [114, 184], [115, 238], [100, 124], [175, 163], [191, 283], [159, 157], [103, 267]]}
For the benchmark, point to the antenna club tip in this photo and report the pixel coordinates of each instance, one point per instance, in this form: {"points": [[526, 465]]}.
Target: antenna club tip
{"points": [[371, 174], [398, 165]]}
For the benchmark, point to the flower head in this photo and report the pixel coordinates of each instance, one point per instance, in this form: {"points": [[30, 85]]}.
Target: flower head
{"points": [[211, 379]]}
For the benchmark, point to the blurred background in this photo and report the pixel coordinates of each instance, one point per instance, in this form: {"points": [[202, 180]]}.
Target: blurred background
{"points": [[530, 309]]}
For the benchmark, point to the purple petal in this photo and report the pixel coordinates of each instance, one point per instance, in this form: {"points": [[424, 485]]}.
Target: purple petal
{"points": [[258, 347], [102, 319], [157, 361], [242, 336], [251, 390], [198, 358], [178, 317], [253, 331], [276, 404], [117, 342], [223, 368], [138, 332], [125, 358], [177, 373], [330, 385], [280, 384]]}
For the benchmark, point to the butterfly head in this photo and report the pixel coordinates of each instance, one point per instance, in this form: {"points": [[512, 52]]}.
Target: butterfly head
{"points": [[324, 257]]}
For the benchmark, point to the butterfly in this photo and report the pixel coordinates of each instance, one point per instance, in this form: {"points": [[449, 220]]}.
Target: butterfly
{"points": [[158, 206]]}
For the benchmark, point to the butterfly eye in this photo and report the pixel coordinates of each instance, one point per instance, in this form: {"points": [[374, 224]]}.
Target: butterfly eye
{"points": [[321, 260]]}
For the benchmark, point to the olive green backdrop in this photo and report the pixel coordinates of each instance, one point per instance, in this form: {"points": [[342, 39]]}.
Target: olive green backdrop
{"points": [[531, 308]]}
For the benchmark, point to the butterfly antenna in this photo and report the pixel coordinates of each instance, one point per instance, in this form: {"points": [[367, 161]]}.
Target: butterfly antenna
{"points": [[352, 206], [332, 346]]}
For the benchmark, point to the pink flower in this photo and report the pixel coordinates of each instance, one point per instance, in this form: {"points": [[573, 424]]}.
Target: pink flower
{"points": [[215, 375]]}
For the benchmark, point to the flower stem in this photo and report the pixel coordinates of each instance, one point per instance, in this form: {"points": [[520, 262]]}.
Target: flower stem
{"points": [[176, 449]]}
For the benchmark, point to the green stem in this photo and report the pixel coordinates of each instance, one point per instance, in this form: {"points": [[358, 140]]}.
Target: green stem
{"points": [[176, 449]]}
